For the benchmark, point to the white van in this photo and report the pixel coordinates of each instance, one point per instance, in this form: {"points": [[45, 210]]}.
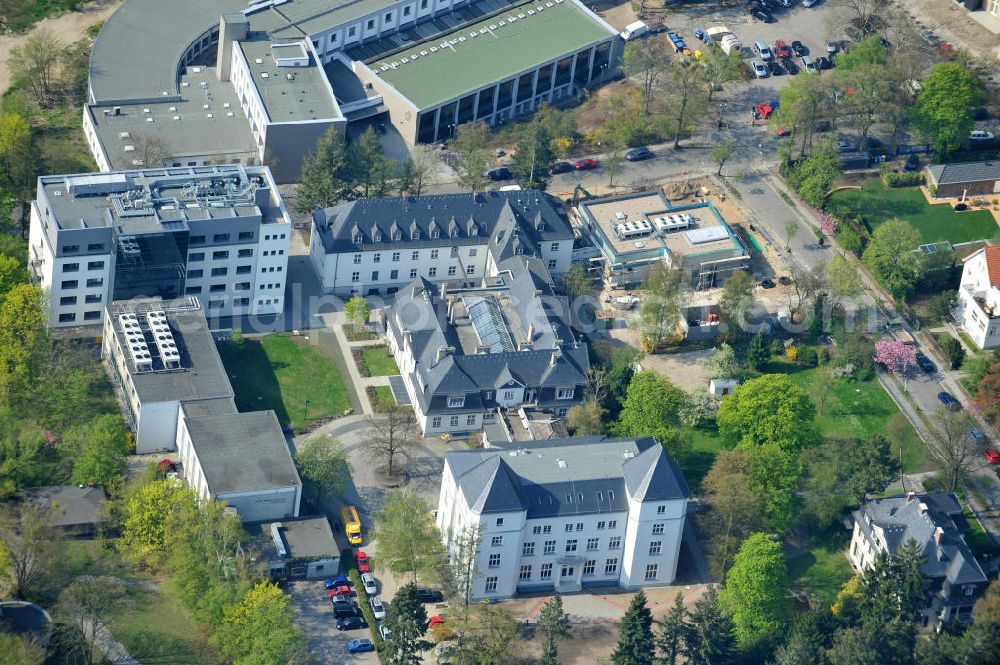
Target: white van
{"points": [[763, 50], [634, 30]]}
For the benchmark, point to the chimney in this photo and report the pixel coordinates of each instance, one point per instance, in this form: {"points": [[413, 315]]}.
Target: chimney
{"points": [[922, 508], [441, 353], [554, 358], [444, 289], [938, 533], [909, 496], [407, 340], [415, 290], [531, 332], [451, 311]]}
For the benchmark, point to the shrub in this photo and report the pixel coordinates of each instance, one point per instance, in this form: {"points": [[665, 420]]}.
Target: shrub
{"points": [[366, 608], [822, 355], [777, 347], [807, 356], [954, 351], [850, 240], [891, 178]]}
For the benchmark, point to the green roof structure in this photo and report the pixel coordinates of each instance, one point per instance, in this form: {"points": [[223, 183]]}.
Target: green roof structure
{"points": [[451, 65]]}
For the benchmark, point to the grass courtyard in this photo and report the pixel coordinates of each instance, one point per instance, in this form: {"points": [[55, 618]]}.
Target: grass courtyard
{"points": [[283, 372], [934, 223], [375, 361], [822, 568], [854, 410]]}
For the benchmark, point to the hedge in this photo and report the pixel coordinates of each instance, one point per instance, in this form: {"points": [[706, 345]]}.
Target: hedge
{"points": [[366, 608], [892, 178]]}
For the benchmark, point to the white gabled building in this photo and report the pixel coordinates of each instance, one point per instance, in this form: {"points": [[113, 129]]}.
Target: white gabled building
{"points": [[564, 514], [979, 297]]}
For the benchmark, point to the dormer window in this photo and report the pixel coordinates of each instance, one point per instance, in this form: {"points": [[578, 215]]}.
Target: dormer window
{"points": [[519, 250], [358, 239], [416, 235], [435, 234], [454, 233], [397, 236], [474, 231], [540, 226], [456, 402], [377, 237], [565, 393]]}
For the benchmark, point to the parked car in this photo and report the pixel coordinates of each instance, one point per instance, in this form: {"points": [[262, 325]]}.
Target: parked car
{"points": [[808, 64], [436, 620], [844, 145], [977, 435], [501, 173], [639, 154], [351, 623], [925, 363], [949, 401], [384, 632], [429, 596], [378, 609], [824, 62], [832, 47], [345, 610], [767, 284], [810, 3], [790, 66], [781, 49], [758, 69], [775, 68], [763, 50], [799, 49], [360, 646], [980, 135], [560, 167], [912, 163], [341, 590], [762, 16], [992, 456], [929, 37], [368, 581], [980, 113], [361, 560], [338, 580], [585, 164]]}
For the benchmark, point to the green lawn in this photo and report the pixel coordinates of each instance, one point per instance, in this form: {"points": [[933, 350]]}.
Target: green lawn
{"points": [[381, 397], [282, 372], [822, 568], [155, 628], [934, 222], [379, 361]]}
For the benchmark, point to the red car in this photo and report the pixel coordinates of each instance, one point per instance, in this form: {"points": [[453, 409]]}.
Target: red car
{"points": [[585, 164], [992, 456], [781, 49], [342, 590], [361, 559]]}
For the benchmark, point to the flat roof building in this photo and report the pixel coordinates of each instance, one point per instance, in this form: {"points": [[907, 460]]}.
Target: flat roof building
{"points": [[634, 232], [964, 179], [303, 548], [194, 82], [219, 232]]}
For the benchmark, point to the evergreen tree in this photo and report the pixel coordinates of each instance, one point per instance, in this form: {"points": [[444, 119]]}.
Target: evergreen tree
{"points": [[759, 351], [672, 633], [635, 636], [368, 166], [554, 622], [407, 620], [894, 587], [708, 636], [325, 177]]}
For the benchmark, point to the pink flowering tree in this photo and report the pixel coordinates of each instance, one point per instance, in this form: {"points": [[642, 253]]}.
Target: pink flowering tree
{"points": [[827, 224], [897, 357]]}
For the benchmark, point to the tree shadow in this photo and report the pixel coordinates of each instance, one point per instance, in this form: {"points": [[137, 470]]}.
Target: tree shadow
{"points": [[252, 375]]}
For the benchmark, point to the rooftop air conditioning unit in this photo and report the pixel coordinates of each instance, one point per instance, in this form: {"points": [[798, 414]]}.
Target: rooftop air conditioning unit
{"points": [[185, 84], [196, 70], [461, 39], [129, 148], [259, 61], [136, 162], [229, 114], [226, 105], [404, 60], [423, 53], [290, 77], [149, 119], [434, 49], [146, 111], [173, 108], [493, 27], [123, 135], [204, 106], [209, 115], [204, 84], [531, 12], [502, 23], [264, 75], [177, 117]]}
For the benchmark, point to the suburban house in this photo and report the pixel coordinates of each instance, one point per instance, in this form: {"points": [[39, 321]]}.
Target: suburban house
{"points": [[964, 179], [979, 297], [176, 397], [467, 355], [564, 514], [303, 548], [378, 246], [936, 523], [635, 232], [217, 232], [77, 510]]}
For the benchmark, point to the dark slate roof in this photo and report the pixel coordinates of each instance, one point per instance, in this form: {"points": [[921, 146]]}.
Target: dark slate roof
{"points": [[965, 172], [72, 505], [475, 218], [902, 520], [565, 477]]}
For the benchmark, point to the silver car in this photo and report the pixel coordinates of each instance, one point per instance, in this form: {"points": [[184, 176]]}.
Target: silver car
{"points": [[378, 609], [368, 582]]}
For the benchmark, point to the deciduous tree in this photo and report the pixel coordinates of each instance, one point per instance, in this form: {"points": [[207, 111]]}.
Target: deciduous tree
{"points": [[723, 364], [843, 278], [814, 176], [734, 509], [34, 65], [873, 467], [473, 158], [33, 547], [92, 603], [686, 105], [409, 541], [357, 310], [586, 419], [486, 634], [951, 450], [941, 114], [17, 649], [100, 447], [699, 407], [635, 634], [23, 342], [719, 68], [890, 257], [652, 408], [532, 157], [391, 433], [756, 589], [736, 301], [897, 357], [576, 283], [660, 310], [260, 629], [647, 62], [723, 152], [323, 466], [462, 571], [416, 171]]}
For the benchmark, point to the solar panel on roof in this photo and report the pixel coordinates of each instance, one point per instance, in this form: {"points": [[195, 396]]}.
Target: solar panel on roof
{"points": [[709, 234], [487, 319]]}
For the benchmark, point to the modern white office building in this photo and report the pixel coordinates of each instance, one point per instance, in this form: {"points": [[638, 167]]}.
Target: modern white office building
{"points": [[218, 232], [565, 514], [200, 82], [378, 246], [176, 397]]}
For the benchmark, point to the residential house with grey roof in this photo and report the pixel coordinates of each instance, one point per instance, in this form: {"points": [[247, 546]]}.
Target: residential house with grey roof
{"points": [[964, 179], [469, 353], [564, 514], [378, 246], [937, 524]]}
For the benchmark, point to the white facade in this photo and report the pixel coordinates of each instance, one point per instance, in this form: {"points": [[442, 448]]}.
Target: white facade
{"points": [[634, 548], [979, 298]]}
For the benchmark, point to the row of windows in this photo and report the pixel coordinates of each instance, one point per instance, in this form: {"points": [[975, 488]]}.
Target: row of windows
{"points": [[91, 283], [276, 236], [220, 255], [218, 288], [69, 317], [549, 546], [222, 237], [470, 421], [75, 267], [431, 272], [415, 255], [90, 299], [589, 566], [92, 247]]}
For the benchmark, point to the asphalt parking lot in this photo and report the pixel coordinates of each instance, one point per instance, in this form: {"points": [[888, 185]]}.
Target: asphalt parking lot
{"points": [[314, 617]]}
